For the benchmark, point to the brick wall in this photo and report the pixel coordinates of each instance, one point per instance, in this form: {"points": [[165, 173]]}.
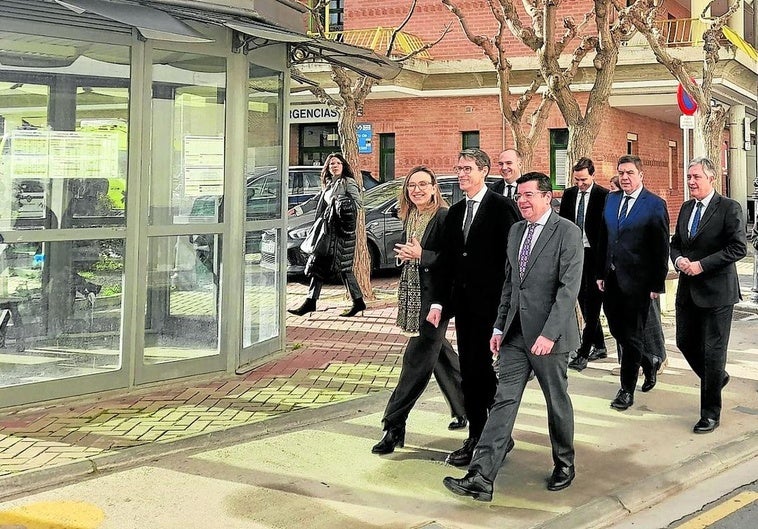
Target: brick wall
{"points": [[428, 131], [431, 16]]}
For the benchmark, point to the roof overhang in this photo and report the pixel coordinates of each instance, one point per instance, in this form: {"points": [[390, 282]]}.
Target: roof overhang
{"points": [[304, 48], [150, 22]]}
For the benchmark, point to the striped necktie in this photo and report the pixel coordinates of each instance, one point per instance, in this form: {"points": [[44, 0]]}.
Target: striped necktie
{"points": [[624, 209]]}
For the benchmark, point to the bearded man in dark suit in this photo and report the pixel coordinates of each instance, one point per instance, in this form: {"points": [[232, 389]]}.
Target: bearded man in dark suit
{"points": [[709, 240]]}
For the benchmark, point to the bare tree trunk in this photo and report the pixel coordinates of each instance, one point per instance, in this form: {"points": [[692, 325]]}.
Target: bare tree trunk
{"points": [[709, 134], [349, 143]]}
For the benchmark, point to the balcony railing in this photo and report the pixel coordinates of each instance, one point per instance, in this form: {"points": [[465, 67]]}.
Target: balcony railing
{"points": [[676, 32], [377, 39]]}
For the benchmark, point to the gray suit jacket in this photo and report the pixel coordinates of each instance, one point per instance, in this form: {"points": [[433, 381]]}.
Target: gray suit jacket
{"points": [[546, 297]]}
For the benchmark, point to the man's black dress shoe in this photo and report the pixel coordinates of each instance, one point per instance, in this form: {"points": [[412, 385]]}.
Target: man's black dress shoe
{"points": [[579, 363], [392, 437], [597, 354], [472, 484], [561, 478], [457, 423], [726, 380], [705, 425], [623, 400], [462, 456], [651, 376]]}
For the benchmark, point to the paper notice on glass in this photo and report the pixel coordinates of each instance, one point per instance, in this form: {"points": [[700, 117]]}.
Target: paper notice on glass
{"points": [[203, 162]]}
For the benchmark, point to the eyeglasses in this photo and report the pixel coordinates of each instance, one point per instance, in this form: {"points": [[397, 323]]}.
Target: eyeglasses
{"points": [[528, 195], [421, 185], [465, 169]]}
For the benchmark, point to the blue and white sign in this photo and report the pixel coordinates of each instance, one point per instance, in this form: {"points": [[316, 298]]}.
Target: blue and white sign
{"points": [[364, 138]]}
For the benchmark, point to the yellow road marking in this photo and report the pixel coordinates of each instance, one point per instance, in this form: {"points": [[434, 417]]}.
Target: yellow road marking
{"points": [[53, 515], [720, 511]]}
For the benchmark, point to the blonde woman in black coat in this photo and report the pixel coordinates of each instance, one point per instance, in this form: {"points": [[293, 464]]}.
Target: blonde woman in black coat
{"points": [[423, 211], [334, 245]]}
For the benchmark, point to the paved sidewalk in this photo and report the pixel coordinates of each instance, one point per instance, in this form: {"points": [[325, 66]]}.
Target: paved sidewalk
{"points": [[327, 360], [628, 460]]}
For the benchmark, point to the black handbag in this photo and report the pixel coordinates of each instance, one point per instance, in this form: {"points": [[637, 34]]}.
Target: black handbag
{"points": [[319, 239]]}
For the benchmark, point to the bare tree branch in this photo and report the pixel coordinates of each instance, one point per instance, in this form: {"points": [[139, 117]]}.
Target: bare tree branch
{"points": [[399, 28], [480, 40], [426, 46], [317, 91], [532, 37]]}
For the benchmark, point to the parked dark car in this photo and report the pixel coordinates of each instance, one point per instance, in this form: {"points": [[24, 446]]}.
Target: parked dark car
{"points": [[383, 228]]}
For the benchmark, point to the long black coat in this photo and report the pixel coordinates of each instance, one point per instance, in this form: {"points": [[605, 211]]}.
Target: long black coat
{"points": [[338, 205]]}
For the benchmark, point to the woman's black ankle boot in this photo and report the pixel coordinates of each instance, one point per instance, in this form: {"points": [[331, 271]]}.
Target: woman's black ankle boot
{"points": [[392, 437], [358, 306], [309, 305]]}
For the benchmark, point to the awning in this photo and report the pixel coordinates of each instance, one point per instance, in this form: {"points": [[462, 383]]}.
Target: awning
{"points": [[304, 48], [150, 22]]}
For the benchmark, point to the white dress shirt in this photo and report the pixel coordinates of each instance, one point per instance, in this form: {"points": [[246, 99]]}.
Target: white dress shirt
{"points": [[585, 240]]}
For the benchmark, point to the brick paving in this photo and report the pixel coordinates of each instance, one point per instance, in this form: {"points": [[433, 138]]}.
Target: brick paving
{"points": [[328, 360]]}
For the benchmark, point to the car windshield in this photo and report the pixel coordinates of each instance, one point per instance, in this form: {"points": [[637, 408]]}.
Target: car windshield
{"points": [[378, 195]]}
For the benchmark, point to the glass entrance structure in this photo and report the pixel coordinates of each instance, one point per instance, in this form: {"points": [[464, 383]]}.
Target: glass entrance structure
{"points": [[130, 221]]}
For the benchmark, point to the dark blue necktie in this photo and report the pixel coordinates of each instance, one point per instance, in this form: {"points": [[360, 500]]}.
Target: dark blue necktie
{"points": [[624, 208], [580, 212], [696, 218]]}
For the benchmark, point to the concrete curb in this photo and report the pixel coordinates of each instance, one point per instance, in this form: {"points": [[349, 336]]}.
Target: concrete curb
{"points": [[609, 509]]}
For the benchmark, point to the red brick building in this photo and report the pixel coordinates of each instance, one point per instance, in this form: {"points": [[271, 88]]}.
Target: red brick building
{"points": [[441, 104]]}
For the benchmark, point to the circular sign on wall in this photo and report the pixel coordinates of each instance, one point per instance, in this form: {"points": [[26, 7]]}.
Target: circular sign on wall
{"points": [[686, 104]]}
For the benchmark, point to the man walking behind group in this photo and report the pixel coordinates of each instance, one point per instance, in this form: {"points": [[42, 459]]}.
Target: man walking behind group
{"points": [[472, 269], [633, 263], [510, 166], [709, 240], [583, 205], [535, 330]]}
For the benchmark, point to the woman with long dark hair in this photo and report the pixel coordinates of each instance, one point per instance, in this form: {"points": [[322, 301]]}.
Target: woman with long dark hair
{"points": [[423, 212], [333, 238]]}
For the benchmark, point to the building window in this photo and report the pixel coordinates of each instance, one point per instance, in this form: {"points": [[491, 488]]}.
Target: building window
{"points": [[673, 166], [470, 139], [332, 16], [386, 157], [632, 147], [559, 169], [316, 142]]}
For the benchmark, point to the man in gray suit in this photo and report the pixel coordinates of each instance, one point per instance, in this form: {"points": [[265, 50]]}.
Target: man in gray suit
{"points": [[535, 330]]}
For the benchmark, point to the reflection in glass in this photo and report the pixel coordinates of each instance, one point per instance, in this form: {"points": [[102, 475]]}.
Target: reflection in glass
{"points": [[181, 321], [60, 309], [187, 168], [261, 297], [263, 157], [68, 168]]}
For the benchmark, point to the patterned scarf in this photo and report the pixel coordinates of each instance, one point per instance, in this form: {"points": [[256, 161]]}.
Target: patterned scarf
{"points": [[409, 288]]}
